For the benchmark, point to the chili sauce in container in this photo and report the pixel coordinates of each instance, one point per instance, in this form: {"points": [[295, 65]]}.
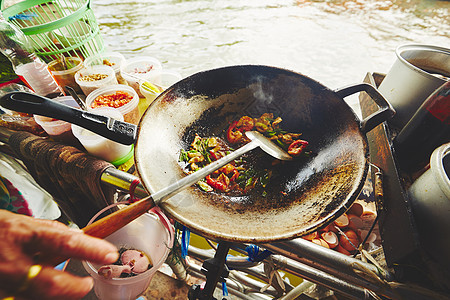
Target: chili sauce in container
{"points": [[122, 97]]}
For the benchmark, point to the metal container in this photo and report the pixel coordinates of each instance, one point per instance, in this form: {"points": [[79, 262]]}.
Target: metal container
{"points": [[418, 71], [430, 198]]}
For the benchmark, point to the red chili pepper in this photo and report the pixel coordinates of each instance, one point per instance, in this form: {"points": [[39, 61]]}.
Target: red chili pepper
{"points": [[216, 184], [235, 175], [296, 147], [214, 155]]}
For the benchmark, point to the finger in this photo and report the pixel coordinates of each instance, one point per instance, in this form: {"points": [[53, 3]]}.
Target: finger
{"points": [[30, 222], [50, 223], [52, 284], [68, 243]]}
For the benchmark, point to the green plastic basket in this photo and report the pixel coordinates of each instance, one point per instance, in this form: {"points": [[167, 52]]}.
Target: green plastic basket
{"points": [[57, 27]]}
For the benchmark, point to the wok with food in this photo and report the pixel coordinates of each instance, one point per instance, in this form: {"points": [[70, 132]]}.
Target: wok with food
{"points": [[307, 194]]}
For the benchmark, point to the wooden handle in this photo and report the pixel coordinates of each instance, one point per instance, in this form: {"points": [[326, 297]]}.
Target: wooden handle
{"points": [[118, 219], [111, 223]]}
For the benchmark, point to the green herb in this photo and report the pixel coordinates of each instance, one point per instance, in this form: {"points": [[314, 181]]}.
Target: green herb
{"points": [[204, 186], [183, 156], [249, 182], [280, 143]]}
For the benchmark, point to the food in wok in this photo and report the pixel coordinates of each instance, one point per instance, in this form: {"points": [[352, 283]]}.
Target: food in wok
{"points": [[248, 172]]}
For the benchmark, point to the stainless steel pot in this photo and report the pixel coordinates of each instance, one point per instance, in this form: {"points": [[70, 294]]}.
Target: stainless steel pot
{"points": [[418, 71], [430, 197]]}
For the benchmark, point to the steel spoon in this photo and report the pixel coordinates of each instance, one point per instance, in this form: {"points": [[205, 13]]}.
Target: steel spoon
{"points": [[113, 222]]}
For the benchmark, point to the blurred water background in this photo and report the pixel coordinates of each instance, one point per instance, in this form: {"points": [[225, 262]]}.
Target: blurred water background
{"points": [[335, 42]]}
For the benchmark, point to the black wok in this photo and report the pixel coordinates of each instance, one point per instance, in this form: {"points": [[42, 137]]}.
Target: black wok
{"points": [[310, 193]]}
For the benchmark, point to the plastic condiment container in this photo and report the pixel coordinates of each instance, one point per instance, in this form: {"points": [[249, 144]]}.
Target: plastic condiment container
{"points": [[57, 129], [130, 110], [102, 147], [66, 77], [150, 91], [164, 78], [139, 69], [150, 233], [157, 83], [113, 59], [94, 77]]}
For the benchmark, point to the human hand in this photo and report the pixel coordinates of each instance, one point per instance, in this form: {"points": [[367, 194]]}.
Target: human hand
{"points": [[26, 241]]}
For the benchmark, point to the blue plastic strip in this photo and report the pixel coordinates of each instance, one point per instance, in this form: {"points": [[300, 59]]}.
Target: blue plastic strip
{"points": [[185, 237], [254, 254], [224, 289]]}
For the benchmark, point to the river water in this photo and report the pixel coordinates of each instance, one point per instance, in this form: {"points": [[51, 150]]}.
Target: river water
{"points": [[335, 42]]}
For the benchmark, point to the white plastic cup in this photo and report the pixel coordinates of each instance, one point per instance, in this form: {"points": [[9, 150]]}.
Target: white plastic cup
{"points": [[165, 78], [57, 129], [38, 77], [88, 85], [113, 59], [130, 110], [99, 146], [139, 69], [149, 233], [149, 93]]}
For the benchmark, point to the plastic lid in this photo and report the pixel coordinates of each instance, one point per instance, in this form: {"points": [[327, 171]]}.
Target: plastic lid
{"points": [[124, 159]]}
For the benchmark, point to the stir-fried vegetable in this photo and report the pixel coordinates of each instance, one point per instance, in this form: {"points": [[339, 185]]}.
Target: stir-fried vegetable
{"points": [[240, 175]]}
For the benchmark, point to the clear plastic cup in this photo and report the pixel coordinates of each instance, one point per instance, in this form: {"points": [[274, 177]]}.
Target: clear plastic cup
{"points": [[57, 129], [38, 77], [130, 110], [139, 69], [150, 91], [66, 77], [164, 78], [157, 83], [99, 146], [113, 59], [90, 78], [149, 233]]}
